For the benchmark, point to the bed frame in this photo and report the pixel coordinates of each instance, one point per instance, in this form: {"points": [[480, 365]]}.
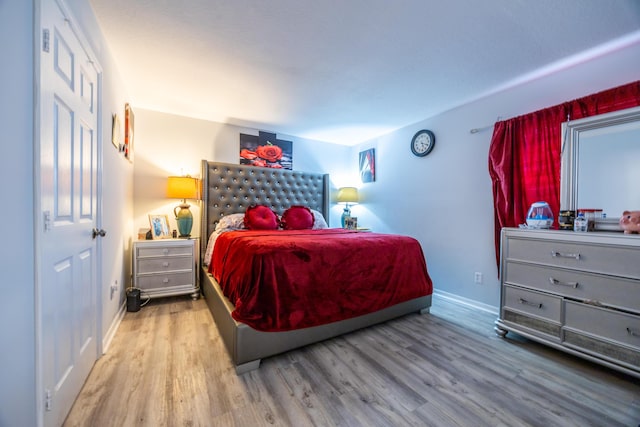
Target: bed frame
{"points": [[229, 188]]}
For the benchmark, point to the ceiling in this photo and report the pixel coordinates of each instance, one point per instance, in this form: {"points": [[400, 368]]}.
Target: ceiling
{"points": [[345, 71]]}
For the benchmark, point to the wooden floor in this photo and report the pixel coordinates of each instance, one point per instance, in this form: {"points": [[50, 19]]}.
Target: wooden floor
{"points": [[167, 366]]}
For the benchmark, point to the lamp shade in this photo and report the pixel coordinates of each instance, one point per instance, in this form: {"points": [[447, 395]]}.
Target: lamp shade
{"points": [[348, 195], [182, 187]]}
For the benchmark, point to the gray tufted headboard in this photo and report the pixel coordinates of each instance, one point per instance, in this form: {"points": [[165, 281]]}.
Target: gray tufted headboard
{"points": [[229, 188]]}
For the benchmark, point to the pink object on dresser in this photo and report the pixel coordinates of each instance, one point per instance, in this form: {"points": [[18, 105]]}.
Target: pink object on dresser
{"points": [[630, 222]]}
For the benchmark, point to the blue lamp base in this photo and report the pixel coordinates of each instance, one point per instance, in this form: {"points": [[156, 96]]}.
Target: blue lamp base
{"points": [[184, 219], [345, 214]]}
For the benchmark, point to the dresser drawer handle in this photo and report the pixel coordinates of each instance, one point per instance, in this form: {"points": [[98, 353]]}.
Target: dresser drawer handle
{"points": [[559, 283], [165, 280], [532, 304], [564, 255], [633, 333], [165, 264], [165, 251]]}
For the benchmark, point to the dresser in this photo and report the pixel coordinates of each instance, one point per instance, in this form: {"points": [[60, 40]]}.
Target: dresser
{"points": [[166, 267], [577, 292]]}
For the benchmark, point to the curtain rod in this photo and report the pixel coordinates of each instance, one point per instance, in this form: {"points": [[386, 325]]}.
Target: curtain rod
{"points": [[476, 130]]}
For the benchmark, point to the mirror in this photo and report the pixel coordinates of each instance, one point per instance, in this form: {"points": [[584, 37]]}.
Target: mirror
{"points": [[601, 163]]}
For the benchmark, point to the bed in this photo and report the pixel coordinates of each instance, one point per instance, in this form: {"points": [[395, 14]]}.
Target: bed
{"points": [[230, 189]]}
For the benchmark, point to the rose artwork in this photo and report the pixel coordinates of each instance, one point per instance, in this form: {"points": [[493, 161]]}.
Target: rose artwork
{"points": [[271, 153], [265, 150], [264, 156], [630, 222]]}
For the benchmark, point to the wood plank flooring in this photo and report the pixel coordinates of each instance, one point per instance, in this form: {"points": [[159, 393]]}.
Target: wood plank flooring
{"points": [[167, 366]]}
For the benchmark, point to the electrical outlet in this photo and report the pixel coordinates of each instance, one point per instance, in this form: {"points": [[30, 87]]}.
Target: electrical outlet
{"points": [[114, 289], [477, 277]]}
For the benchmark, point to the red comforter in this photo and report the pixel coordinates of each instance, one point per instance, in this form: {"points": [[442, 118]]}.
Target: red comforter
{"points": [[284, 280]]}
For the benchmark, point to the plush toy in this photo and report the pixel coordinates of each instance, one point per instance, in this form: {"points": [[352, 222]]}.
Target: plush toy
{"points": [[630, 222]]}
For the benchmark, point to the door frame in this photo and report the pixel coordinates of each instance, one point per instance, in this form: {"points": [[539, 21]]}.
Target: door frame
{"points": [[37, 193]]}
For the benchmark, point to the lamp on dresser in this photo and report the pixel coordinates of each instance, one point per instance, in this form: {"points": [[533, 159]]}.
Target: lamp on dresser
{"points": [[183, 187], [347, 196]]}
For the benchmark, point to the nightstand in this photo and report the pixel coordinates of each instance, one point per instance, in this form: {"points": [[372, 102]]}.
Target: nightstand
{"points": [[166, 267]]}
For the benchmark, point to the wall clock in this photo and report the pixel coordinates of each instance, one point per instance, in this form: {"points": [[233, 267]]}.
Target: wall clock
{"points": [[422, 142]]}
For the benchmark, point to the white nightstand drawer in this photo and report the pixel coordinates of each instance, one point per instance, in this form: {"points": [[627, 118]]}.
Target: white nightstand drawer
{"points": [[155, 265], [165, 251], [164, 280]]}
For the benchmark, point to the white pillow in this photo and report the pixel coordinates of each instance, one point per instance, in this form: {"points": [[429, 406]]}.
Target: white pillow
{"points": [[231, 222], [318, 220]]}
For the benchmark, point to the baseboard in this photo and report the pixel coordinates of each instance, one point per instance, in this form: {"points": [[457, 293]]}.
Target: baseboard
{"points": [[111, 332], [465, 301]]}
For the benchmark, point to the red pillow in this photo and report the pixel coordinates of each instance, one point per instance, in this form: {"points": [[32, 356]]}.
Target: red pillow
{"points": [[260, 218], [297, 218]]}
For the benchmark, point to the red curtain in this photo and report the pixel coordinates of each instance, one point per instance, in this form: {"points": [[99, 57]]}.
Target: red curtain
{"points": [[524, 155]]}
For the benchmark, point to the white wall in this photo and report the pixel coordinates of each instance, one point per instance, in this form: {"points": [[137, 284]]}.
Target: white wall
{"points": [[17, 275], [167, 144], [445, 199]]}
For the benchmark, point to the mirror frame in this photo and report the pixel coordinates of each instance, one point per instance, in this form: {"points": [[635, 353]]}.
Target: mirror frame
{"points": [[571, 131]]}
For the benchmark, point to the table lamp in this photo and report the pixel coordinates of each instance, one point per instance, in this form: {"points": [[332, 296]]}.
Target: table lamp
{"points": [[183, 187], [347, 196]]}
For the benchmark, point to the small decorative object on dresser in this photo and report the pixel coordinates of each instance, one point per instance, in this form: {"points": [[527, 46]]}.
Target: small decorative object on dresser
{"points": [[166, 267], [630, 222], [577, 292]]}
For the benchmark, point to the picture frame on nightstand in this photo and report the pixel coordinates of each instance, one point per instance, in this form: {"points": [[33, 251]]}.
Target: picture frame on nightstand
{"points": [[351, 223], [159, 226]]}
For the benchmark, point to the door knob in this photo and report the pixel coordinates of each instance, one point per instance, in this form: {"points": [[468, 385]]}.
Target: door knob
{"points": [[95, 233]]}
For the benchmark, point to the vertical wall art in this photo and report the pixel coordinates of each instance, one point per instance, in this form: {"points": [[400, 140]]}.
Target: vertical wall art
{"points": [[115, 131], [368, 165], [266, 150], [128, 132]]}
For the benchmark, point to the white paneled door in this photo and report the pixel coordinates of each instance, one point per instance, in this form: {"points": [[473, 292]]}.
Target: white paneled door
{"points": [[66, 291]]}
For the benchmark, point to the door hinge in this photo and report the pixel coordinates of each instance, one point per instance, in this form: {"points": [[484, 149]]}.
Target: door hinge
{"points": [[45, 40], [46, 216], [48, 400]]}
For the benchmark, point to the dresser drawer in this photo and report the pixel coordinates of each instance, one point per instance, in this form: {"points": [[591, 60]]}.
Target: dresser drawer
{"points": [[606, 333], [164, 280], [157, 265], [541, 305], [164, 251], [609, 324], [607, 290], [606, 259]]}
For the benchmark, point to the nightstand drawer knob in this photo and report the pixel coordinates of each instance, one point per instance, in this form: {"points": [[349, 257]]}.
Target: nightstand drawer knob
{"points": [[165, 251], [165, 264], [165, 280]]}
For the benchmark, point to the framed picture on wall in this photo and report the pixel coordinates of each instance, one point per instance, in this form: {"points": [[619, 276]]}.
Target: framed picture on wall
{"points": [[367, 160], [265, 150], [128, 132], [116, 130], [159, 226]]}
